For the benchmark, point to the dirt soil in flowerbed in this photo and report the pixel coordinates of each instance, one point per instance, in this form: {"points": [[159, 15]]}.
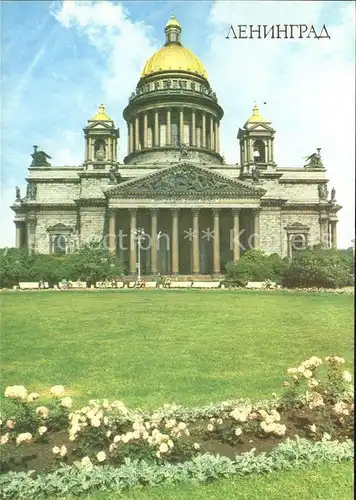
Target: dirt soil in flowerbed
{"points": [[38, 456]]}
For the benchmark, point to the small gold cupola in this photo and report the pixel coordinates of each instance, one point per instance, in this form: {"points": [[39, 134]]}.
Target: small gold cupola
{"points": [[173, 31], [256, 117], [101, 115]]}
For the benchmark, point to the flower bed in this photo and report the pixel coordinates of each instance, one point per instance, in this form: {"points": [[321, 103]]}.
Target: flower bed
{"points": [[53, 438]]}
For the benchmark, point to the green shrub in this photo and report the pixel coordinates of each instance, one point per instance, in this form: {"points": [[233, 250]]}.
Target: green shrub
{"points": [[255, 265], [93, 262], [317, 267]]}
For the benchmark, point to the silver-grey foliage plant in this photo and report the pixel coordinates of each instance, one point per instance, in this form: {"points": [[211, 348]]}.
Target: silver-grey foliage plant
{"points": [[69, 480]]}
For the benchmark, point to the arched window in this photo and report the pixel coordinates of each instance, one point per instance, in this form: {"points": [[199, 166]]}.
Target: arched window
{"points": [[259, 151], [298, 242], [60, 244], [59, 239]]}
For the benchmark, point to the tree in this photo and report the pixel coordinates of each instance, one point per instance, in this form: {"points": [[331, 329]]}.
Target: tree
{"points": [[15, 266], [94, 262], [255, 265], [318, 267]]}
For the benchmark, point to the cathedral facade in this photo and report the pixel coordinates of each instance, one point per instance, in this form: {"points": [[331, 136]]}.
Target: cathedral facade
{"points": [[174, 199]]}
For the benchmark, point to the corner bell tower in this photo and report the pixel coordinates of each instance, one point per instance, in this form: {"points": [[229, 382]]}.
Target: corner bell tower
{"points": [[256, 143], [101, 138]]}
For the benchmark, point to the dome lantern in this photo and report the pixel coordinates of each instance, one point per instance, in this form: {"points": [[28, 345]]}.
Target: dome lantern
{"points": [[173, 31]]}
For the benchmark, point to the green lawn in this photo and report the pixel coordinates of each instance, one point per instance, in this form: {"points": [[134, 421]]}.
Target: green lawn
{"points": [[153, 347], [191, 347]]}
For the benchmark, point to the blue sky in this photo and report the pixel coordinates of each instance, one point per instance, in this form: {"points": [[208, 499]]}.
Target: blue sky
{"points": [[60, 60]]}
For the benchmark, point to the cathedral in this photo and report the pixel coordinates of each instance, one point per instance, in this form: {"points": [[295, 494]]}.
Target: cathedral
{"points": [[174, 205]]}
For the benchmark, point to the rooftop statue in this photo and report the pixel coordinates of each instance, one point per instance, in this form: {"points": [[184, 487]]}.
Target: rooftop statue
{"points": [[40, 158], [114, 175], [184, 150], [100, 153], [333, 195], [314, 160], [18, 195], [255, 174], [323, 191]]}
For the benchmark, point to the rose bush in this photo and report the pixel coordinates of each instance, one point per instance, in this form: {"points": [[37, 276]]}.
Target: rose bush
{"points": [[317, 403]]}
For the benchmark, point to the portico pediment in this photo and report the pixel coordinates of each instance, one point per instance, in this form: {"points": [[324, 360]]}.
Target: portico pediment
{"points": [[185, 180], [100, 125], [260, 127]]}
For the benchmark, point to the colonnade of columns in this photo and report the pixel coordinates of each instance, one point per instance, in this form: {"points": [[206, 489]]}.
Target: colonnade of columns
{"points": [[169, 127], [174, 231]]}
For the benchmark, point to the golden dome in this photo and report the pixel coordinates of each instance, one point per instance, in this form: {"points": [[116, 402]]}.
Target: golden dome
{"points": [[101, 115], [174, 57], [256, 117]]}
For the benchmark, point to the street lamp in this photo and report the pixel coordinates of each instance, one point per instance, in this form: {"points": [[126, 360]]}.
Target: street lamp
{"points": [[140, 236]]}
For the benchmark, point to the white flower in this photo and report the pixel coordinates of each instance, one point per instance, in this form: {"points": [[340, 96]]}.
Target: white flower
{"points": [[163, 448], [219, 421], [86, 463], [276, 415], [42, 430], [347, 376], [56, 450], [312, 383], [16, 391], [117, 438], [67, 402], [312, 428], [125, 438], [63, 451], [136, 434], [57, 390], [182, 426], [32, 396], [10, 424], [210, 427], [240, 414], [238, 431], [105, 404], [341, 408], [42, 412], [101, 456], [308, 373], [108, 434], [326, 436], [24, 437], [112, 447], [170, 443], [301, 369], [95, 422], [292, 371], [4, 439], [105, 420], [196, 446]]}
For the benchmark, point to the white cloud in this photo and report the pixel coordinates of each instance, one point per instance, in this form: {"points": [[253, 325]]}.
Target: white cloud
{"points": [[125, 45], [308, 84]]}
